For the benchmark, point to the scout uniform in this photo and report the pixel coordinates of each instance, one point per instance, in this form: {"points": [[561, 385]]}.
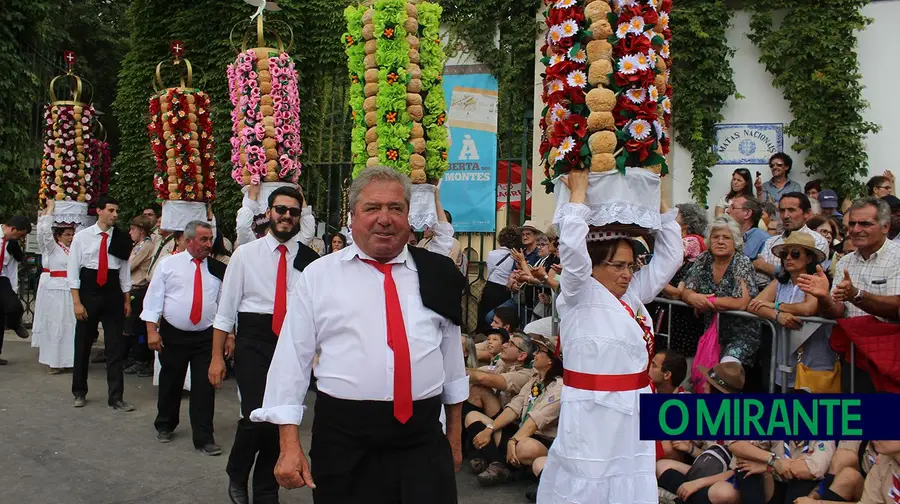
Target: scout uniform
{"points": [[883, 482], [541, 404]]}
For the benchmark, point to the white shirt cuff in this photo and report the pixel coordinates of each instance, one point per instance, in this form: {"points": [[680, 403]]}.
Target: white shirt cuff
{"points": [[223, 324], [74, 284], [278, 415], [456, 392]]}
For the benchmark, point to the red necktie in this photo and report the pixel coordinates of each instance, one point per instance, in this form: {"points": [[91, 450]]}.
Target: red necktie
{"points": [[396, 334], [197, 306], [280, 308], [103, 261]]}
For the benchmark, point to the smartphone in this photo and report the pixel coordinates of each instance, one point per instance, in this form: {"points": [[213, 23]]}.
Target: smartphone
{"points": [[758, 174]]}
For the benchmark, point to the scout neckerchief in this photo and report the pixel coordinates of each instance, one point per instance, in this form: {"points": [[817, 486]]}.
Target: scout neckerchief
{"points": [[787, 448], [536, 390], [647, 333], [894, 492], [494, 361]]}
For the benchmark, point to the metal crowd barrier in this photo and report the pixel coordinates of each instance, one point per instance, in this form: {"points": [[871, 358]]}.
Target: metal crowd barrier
{"points": [[780, 334]]}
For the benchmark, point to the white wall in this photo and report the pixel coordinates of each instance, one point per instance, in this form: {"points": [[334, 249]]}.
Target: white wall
{"points": [[763, 103]]}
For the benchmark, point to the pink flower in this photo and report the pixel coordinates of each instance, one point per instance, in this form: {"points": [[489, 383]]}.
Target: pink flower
{"points": [[260, 131], [254, 179], [252, 75], [253, 84]]}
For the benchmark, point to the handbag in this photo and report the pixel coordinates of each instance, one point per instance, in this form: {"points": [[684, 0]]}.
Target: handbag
{"points": [[817, 382], [707, 354]]}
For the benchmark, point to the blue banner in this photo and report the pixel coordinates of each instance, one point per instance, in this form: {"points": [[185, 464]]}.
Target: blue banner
{"points": [[770, 416], [468, 189]]}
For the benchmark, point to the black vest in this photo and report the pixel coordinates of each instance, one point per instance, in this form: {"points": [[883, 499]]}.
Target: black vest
{"points": [[15, 250], [216, 268], [441, 285], [120, 244]]}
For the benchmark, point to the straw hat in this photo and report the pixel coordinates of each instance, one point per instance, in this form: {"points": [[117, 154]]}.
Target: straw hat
{"points": [[800, 239]]}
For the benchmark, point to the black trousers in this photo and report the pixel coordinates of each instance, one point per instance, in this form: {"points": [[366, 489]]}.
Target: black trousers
{"points": [[361, 454], [180, 349], [10, 308], [136, 329], [254, 442], [107, 305]]}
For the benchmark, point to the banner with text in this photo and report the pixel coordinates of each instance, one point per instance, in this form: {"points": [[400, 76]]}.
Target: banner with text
{"points": [[749, 143], [467, 189]]}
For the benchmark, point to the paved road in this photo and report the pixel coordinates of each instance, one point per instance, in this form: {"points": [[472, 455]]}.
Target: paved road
{"points": [[53, 453]]}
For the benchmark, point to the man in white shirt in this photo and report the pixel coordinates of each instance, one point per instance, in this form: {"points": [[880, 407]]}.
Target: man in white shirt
{"points": [[254, 299], [384, 318], [179, 310], [250, 224], [100, 281], [11, 255]]}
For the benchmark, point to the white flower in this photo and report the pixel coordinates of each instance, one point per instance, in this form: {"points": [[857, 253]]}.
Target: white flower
{"points": [[637, 95], [651, 55], [636, 25], [555, 86], [639, 129], [87, 197], [566, 146], [559, 113], [643, 61], [556, 58], [628, 65], [660, 131], [664, 19], [621, 4], [555, 34], [568, 28], [622, 30], [667, 105], [565, 4], [664, 52], [577, 78], [579, 57], [654, 93]]}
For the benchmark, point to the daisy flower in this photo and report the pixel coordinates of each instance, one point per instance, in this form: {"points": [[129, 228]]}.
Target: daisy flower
{"points": [[565, 4], [636, 25], [622, 30], [654, 93], [566, 146], [651, 55], [636, 95], [628, 65], [568, 28], [639, 129], [667, 105], [664, 52], [577, 78], [642, 60], [555, 34], [555, 156], [556, 58], [621, 4], [664, 19], [555, 86], [579, 57], [660, 131], [559, 113]]}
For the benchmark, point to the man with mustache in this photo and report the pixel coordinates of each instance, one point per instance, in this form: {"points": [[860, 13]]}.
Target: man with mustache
{"points": [[384, 317], [251, 222], [254, 297], [179, 309]]}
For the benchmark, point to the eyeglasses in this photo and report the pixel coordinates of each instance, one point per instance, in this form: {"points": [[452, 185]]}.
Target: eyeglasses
{"points": [[620, 267], [513, 343], [885, 187], [732, 207], [795, 254], [284, 210]]}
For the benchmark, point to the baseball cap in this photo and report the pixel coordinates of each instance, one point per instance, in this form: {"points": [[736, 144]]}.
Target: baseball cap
{"points": [[828, 199]]}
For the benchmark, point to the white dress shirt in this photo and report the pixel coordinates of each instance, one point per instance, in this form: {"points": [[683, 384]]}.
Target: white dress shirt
{"points": [[821, 244], [10, 267], [250, 280], [878, 275], [337, 309], [499, 265], [85, 253], [250, 209], [171, 293]]}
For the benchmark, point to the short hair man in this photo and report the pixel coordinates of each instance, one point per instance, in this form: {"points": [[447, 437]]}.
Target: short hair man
{"points": [[780, 184], [668, 369], [492, 387], [252, 219], [399, 309], [506, 317], [179, 310], [100, 281], [828, 201], [795, 210], [11, 255]]}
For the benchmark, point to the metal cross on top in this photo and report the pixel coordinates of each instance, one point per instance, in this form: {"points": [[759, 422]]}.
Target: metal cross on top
{"points": [[70, 58], [177, 49]]}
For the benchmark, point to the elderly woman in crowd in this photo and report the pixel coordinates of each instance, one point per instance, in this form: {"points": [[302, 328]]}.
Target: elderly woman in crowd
{"points": [[783, 301], [686, 327], [526, 427], [720, 280]]}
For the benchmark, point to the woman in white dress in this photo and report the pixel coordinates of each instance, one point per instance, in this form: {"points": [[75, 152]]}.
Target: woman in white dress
{"points": [[607, 342], [54, 316]]}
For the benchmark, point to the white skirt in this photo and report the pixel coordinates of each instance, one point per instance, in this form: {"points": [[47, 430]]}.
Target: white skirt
{"points": [[598, 458], [157, 367], [54, 327]]}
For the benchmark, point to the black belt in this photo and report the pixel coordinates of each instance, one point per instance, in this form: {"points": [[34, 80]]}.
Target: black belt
{"points": [[256, 326]]}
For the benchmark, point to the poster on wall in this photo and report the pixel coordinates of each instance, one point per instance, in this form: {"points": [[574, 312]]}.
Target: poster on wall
{"points": [[468, 186], [748, 143]]}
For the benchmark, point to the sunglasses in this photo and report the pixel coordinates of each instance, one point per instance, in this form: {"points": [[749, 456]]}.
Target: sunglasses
{"points": [[284, 210], [794, 254]]}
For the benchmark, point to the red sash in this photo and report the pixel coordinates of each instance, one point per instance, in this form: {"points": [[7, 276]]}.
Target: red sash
{"points": [[56, 274]]}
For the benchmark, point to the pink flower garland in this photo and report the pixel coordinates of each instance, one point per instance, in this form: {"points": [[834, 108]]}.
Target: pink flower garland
{"points": [[265, 142]]}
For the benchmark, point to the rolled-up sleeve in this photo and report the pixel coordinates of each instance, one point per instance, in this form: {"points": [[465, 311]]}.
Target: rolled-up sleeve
{"points": [[456, 382], [125, 277], [154, 300], [73, 276], [232, 288], [288, 378], [819, 458], [442, 242]]}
